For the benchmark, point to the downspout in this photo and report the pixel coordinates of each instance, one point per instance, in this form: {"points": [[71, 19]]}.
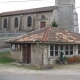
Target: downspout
{"points": [[42, 52]]}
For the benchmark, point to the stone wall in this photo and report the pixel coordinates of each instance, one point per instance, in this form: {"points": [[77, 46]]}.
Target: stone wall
{"points": [[22, 21], [3, 44], [17, 55], [66, 15], [8, 35], [11, 33], [36, 54]]}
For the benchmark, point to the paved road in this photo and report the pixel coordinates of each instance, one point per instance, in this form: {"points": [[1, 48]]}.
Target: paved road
{"points": [[4, 49], [11, 76]]}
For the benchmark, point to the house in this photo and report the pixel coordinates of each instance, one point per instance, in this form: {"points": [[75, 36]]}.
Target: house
{"points": [[63, 12], [43, 46]]}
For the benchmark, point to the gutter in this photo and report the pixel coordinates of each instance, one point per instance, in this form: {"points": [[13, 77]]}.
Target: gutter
{"points": [[44, 42]]}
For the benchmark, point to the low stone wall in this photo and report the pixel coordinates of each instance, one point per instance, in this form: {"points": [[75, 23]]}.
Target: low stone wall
{"points": [[3, 44], [8, 35]]}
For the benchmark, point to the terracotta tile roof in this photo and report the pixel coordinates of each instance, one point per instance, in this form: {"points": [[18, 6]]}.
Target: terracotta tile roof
{"points": [[26, 11], [49, 34]]}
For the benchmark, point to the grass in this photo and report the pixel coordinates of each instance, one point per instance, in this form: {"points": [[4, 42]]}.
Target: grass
{"points": [[6, 37], [5, 57]]}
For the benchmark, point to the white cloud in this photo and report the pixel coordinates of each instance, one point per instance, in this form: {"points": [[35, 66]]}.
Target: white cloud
{"points": [[23, 5]]}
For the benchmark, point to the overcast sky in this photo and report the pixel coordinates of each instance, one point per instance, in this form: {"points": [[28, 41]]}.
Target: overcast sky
{"points": [[11, 5]]}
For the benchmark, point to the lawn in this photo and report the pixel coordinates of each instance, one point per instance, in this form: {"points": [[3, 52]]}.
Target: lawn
{"points": [[5, 57], [6, 37]]}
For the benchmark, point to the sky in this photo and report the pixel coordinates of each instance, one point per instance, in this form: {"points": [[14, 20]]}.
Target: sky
{"points": [[11, 5]]}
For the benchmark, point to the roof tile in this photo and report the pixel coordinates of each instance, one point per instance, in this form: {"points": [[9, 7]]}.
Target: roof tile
{"points": [[49, 34]]}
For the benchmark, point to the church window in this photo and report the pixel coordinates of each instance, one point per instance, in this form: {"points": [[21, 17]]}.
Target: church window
{"points": [[5, 23], [43, 17], [29, 21], [16, 22]]}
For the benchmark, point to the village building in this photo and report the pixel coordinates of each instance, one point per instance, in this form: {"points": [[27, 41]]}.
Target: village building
{"points": [[43, 46], [63, 12]]}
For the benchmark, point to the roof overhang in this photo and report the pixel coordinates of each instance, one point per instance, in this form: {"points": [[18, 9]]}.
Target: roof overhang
{"points": [[43, 43]]}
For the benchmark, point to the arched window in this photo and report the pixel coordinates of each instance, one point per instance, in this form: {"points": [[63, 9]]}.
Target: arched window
{"points": [[29, 21], [43, 17], [16, 22], [5, 23]]}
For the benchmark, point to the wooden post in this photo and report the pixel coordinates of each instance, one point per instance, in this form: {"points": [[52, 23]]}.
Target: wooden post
{"points": [[42, 59]]}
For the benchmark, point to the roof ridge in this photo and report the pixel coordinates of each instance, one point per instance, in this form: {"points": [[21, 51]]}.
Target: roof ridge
{"points": [[45, 34]]}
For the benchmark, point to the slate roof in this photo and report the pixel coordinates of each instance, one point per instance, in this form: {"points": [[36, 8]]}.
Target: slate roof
{"points": [[48, 35], [28, 11]]}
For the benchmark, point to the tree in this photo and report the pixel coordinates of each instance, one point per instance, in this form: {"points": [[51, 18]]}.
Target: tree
{"points": [[54, 24]]}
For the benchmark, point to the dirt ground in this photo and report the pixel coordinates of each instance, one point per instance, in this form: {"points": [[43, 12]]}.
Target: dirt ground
{"points": [[68, 69]]}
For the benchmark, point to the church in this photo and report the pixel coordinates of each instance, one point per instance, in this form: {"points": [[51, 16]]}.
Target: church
{"points": [[63, 13]]}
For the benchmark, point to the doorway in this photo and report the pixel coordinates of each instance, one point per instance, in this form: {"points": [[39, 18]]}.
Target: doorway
{"points": [[27, 53], [42, 24]]}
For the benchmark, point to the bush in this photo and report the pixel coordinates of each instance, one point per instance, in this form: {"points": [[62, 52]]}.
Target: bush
{"points": [[73, 59], [54, 24], [65, 58], [76, 58]]}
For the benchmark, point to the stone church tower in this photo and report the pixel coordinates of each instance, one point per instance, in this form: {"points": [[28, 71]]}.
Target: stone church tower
{"points": [[66, 15]]}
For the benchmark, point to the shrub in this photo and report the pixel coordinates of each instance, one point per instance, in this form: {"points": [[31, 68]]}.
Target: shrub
{"points": [[65, 58], [54, 24], [71, 60], [76, 58]]}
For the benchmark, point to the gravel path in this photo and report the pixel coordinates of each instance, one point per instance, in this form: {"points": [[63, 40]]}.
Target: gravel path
{"points": [[73, 69]]}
